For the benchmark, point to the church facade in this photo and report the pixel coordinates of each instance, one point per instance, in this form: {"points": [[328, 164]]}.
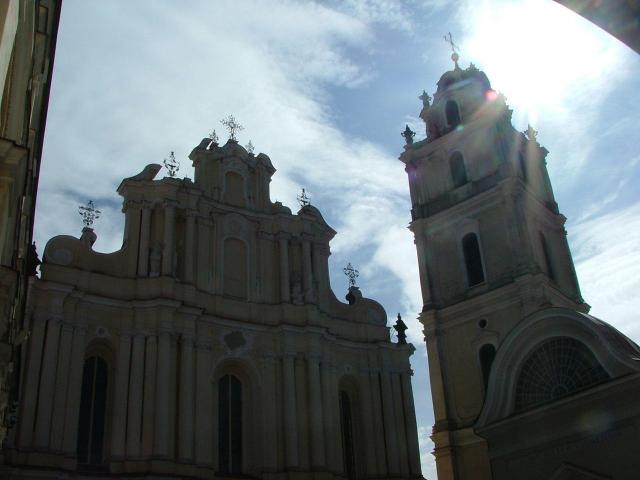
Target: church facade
{"points": [[210, 345], [525, 384]]}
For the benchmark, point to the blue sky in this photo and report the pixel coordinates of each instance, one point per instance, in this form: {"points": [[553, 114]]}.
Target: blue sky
{"points": [[325, 90]]}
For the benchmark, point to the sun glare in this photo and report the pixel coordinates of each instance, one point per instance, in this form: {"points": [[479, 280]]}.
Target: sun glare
{"points": [[535, 52]]}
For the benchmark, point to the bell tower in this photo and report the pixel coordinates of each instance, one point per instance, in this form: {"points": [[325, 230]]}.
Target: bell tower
{"points": [[491, 247]]}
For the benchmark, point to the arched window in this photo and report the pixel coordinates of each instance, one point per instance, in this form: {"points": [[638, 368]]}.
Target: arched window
{"points": [[235, 268], [346, 425], [487, 355], [234, 189], [458, 171], [472, 259], [230, 425], [547, 257], [93, 406], [557, 368], [452, 113]]}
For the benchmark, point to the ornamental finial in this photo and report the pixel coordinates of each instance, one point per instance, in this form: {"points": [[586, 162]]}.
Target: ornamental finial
{"points": [[213, 136], [89, 213], [351, 274], [171, 164], [408, 135], [426, 99], [454, 49], [249, 148], [531, 133], [401, 328], [303, 199], [232, 126]]}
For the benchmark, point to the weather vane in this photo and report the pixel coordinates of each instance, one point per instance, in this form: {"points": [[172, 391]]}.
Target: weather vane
{"points": [[249, 147], [351, 274], [454, 48], [232, 126], [172, 165], [89, 213], [303, 199], [214, 137], [408, 135]]}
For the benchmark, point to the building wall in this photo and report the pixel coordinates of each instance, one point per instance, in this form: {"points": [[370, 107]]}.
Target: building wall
{"points": [[28, 32]]}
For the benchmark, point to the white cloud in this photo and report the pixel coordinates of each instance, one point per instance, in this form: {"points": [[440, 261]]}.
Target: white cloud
{"points": [[607, 257]]}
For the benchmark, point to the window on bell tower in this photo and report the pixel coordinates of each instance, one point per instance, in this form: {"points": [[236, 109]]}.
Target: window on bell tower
{"points": [[452, 113], [458, 170], [472, 259], [547, 257]]}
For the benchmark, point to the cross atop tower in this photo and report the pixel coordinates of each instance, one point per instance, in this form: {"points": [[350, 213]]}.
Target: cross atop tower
{"points": [[454, 48]]}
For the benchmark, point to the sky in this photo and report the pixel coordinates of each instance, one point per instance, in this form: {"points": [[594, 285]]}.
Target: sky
{"points": [[324, 89]]}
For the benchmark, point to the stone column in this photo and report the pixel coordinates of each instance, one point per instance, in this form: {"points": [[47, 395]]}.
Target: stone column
{"points": [[168, 239], [186, 414], [290, 411], [330, 402], [303, 414], [285, 289], [403, 457], [411, 426], [163, 392], [270, 416], [190, 246], [76, 367], [32, 378], [143, 252], [136, 386], [62, 386], [378, 422], [205, 426], [47, 384], [316, 415], [118, 427], [391, 436], [149, 395], [367, 414], [307, 269]]}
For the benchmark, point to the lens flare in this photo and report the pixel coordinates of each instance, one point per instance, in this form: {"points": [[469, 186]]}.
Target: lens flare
{"points": [[490, 95]]}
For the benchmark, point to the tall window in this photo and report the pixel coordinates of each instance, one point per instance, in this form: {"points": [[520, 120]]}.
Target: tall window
{"points": [[452, 113], [234, 189], [230, 424], [487, 355], [346, 424], [458, 171], [472, 259], [93, 405], [235, 268], [547, 257]]}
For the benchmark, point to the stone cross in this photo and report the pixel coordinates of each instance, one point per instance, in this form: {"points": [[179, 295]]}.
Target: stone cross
{"points": [[232, 126], [303, 199], [172, 165], [89, 213], [351, 274]]}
